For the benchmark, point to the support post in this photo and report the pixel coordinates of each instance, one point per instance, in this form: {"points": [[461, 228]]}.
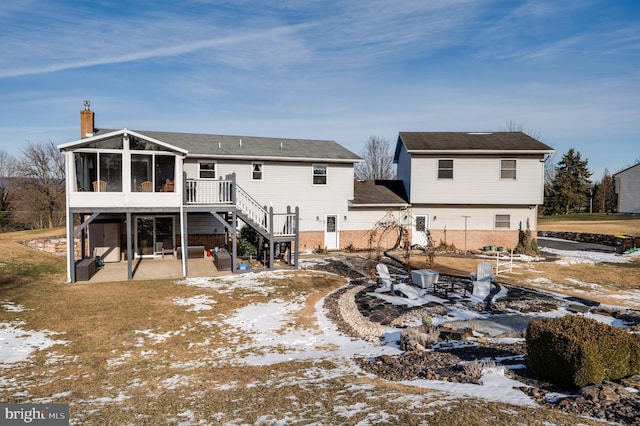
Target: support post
{"points": [[297, 237], [184, 240], [271, 257], [234, 239], [71, 262], [129, 246]]}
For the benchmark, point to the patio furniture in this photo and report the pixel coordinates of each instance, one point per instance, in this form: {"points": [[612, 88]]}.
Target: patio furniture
{"points": [[99, 186], [168, 186], [222, 260], [385, 279], [482, 279], [193, 252], [85, 269], [147, 186], [424, 278], [447, 287]]}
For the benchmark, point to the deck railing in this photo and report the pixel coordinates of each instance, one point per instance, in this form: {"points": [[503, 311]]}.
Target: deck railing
{"points": [[227, 192], [209, 191], [284, 224], [251, 208]]}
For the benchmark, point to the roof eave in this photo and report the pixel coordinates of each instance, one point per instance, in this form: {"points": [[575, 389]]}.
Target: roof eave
{"points": [[67, 146], [278, 158], [481, 151]]}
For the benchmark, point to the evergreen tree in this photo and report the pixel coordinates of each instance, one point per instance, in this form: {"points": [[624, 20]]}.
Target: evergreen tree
{"points": [[569, 192]]}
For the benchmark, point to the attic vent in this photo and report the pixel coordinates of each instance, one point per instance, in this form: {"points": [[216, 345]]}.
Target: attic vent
{"points": [[240, 143], [280, 146], [219, 145]]}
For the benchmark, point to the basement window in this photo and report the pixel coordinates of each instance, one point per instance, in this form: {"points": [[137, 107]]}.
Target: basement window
{"points": [[503, 221]]}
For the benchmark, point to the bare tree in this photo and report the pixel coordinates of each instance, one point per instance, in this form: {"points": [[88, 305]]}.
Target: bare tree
{"points": [[378, 160], [7, 178], [41, 170], [549, 166]]}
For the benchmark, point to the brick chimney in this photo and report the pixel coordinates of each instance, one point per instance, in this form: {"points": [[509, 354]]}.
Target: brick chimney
{"points": [[86, 121]]}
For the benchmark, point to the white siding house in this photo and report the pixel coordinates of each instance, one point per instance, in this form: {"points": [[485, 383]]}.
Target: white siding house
{"points": [[161, 190], [472, 189], [628, 189], [135, 194]]}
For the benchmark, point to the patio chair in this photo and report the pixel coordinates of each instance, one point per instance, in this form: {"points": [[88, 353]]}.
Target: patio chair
{"points": [[393, 282], [100, 186], [147, 186], [482, 278]]}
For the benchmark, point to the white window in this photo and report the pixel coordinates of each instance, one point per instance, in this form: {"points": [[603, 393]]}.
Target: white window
{"points": [[319, 174], [445, 169], [256, 171], [508, 169], [503, 221], [207, 170]]}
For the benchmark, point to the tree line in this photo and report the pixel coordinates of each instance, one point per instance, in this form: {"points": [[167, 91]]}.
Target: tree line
{"points": [[32, 188]]}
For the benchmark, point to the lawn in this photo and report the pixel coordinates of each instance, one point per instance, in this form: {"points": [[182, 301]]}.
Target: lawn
{"points": [[596, 223], [256, 349]]}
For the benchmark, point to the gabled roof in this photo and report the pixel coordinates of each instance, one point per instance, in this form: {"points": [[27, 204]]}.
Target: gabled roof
{"points": [[243, 147], [113, 134], [625, 170], [379, 193], [470, 143]]}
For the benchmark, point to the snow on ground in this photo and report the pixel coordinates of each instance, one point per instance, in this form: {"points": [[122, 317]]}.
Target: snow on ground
{"points": [[17, 344], [270, 334], [572, 257]]}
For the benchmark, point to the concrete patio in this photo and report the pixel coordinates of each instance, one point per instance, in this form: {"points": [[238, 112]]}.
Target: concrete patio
{"points": [[155, 269]]}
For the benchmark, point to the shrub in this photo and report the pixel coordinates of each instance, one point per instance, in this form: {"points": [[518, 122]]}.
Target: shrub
{"points": [[578, 351]]}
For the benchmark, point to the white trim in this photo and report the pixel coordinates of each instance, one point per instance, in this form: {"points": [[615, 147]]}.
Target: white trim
{"points": [[68, 145]]}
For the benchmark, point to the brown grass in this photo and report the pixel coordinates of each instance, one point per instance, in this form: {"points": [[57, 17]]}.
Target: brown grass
{"points": [[592, 223], [112, 370]]}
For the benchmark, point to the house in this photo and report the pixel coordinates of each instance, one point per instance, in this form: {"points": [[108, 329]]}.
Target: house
{"points": [[471, 189], [628, 189], [133, 194]]}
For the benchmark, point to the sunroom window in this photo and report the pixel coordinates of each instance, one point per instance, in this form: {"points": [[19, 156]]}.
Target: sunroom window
{"points": [[152, 173], [98, 171]]}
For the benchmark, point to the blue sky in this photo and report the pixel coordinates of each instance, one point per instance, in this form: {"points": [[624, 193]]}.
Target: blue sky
{"points": [[566, 71]]}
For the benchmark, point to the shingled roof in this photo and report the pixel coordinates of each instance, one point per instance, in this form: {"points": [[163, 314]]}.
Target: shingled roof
{"points": [[379, 193], [253, 147], [480, 142]]}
